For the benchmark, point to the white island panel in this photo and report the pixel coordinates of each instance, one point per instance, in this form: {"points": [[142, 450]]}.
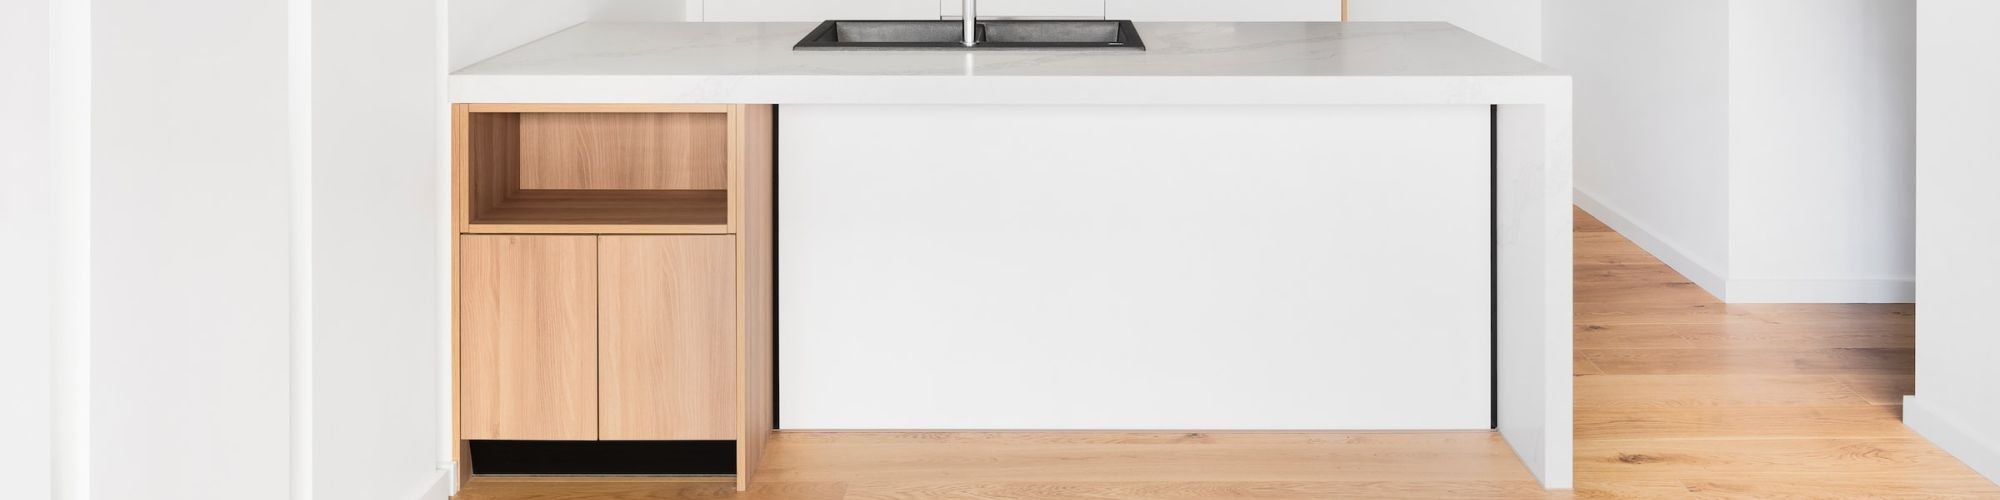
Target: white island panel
{"points": [[1135, 267]]}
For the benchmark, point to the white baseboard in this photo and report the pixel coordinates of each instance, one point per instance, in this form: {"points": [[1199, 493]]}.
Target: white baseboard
{"points": [[1705, 277], [439, 487], [1954, 436], [1750, 290], [1822, 291]]}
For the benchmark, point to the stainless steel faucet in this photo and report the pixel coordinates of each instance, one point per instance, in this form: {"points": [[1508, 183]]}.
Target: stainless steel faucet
{"points": [[971, 20]]}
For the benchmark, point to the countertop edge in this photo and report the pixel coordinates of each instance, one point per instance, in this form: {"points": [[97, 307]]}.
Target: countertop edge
{"points": [[1015, 90]]}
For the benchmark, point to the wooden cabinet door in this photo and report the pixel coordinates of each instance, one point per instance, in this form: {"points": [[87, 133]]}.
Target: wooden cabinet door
{"points": [[667, 338], [528, 337]]}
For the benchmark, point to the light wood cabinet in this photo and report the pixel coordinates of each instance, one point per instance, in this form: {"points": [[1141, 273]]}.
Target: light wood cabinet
{"points": [[667, 338], [528, 353], [614, 274]]}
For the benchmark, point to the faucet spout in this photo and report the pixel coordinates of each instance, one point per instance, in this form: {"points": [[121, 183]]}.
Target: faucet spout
{"points": [[971, 20]]}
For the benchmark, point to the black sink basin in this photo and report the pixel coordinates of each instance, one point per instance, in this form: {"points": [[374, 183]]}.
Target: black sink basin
{"points": [[991, 35]]}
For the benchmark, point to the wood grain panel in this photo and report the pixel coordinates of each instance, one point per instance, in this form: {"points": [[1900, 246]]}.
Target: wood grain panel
{"points": [[1960, 485], [529, 337], [1733, 337], [461, 158], [1737, 458], [1711, 391], [667, 343], [493, 162], [1881, 389], [1745, 360], [608, 207], [757, 264], [1199, 490], [624, 150], [1739, 423], [594, 229], [973, 458], [1579, 366], [1621, 490], [461, 165], [596, 108]]}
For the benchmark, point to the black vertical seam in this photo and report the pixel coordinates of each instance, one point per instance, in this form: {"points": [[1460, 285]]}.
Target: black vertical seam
{"points": [[774, 266], [1493, 266]]}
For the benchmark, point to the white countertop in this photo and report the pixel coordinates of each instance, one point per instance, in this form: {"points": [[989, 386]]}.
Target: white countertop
{"points": [[1185, 63]]}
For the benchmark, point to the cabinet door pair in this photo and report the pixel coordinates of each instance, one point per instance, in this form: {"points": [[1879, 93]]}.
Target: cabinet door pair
{"points": [[598, 337]]}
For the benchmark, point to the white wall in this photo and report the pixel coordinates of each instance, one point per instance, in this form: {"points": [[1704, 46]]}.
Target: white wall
{"points": [[377, 268], [181, 258], [485, 28], [191, 250], [1516, 24], [1652, 148], [27, 261], [1233, 10], [1822, 116], [1078, 9], [1762, 149], [1957, 404]]}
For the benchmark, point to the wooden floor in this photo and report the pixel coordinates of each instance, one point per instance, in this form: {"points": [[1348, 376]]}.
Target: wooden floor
{"points": [[1677, 396]]}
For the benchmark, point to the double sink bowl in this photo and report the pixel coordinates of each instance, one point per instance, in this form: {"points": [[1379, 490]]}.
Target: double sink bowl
{"points": [[989, 34]]}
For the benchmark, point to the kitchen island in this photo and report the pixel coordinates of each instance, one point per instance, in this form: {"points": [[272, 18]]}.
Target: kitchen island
{"points": [[1247, 226]]}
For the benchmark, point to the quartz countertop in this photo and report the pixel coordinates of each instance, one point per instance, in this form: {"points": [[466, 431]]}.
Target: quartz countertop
{"points": [[1185, 63]]}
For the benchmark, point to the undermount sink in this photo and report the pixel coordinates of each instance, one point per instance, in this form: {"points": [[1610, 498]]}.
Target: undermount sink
{"points": [[991, 35]]}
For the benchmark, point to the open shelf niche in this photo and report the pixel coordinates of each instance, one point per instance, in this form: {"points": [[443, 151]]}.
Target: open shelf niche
{"points": [[580, 168]]}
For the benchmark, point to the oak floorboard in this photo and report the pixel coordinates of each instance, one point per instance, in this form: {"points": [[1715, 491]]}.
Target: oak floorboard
{"points": [[1582, 222], [1901, 459], [1753, 361], [1653, 336], [1881, 389], [1625, 292], [1591, 489], [1594, 424], [1819, 487], [1712, 391], [1582, 366], [1058, 457], [1224, 490], [1742, 400], [1726, 337], [1590, 245]]}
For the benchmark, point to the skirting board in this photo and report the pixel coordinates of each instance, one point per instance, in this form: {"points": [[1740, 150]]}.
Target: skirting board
{"points": [[440, 487], [1953, 435], [1751, 290], [1822, 291], [1715, 283]]}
